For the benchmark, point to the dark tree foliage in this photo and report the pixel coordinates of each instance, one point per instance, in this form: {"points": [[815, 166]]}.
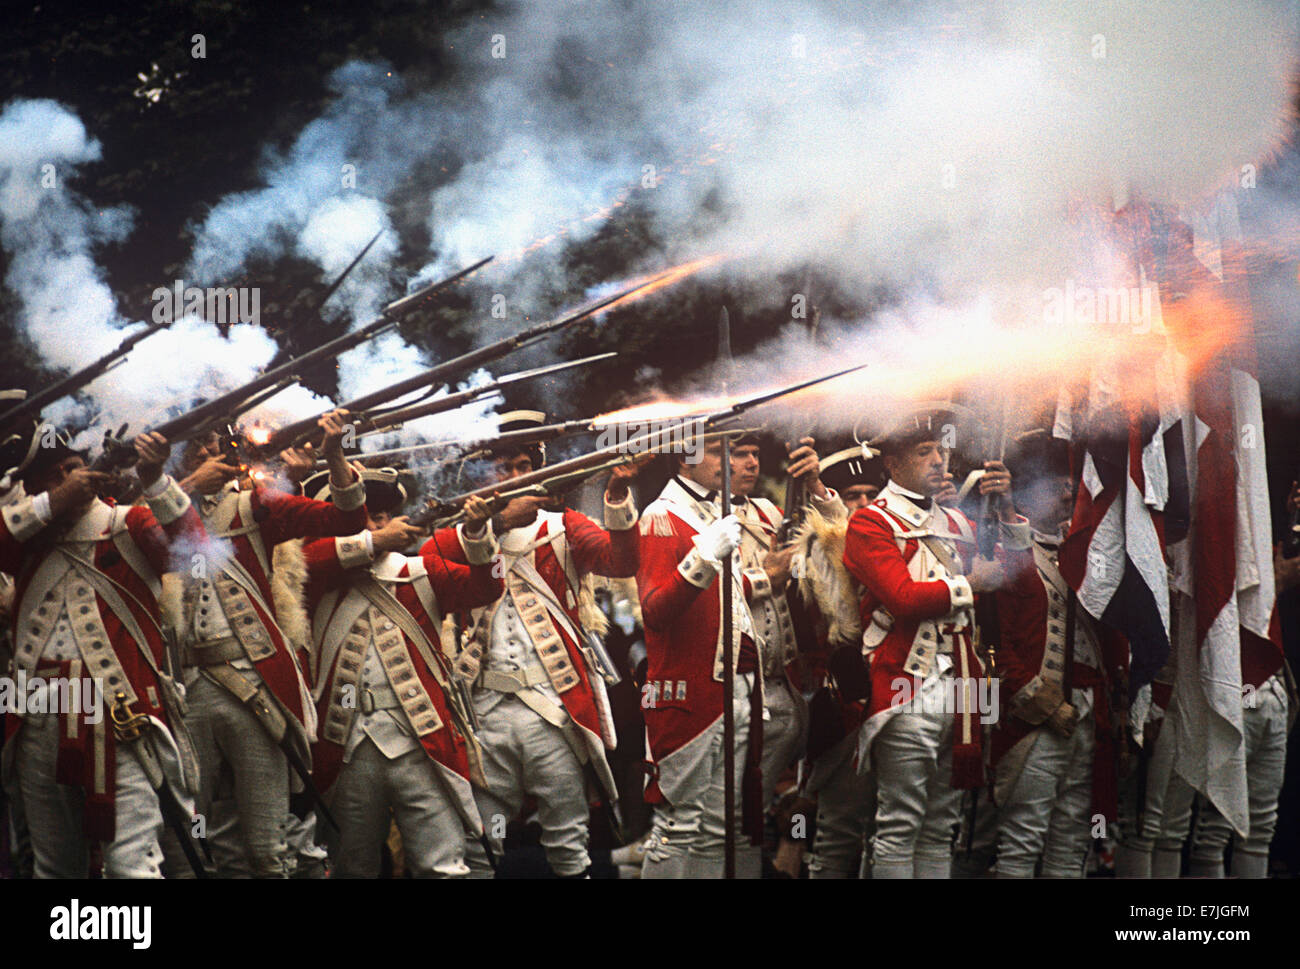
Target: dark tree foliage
{"points": [[181, 132]]}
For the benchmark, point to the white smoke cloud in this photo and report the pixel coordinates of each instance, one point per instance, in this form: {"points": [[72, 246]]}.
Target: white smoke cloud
{"points": [[66, 308], [931, 149], [899, 143]]}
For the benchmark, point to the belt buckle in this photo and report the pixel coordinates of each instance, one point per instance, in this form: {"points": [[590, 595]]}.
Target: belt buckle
{"points": [[367, 701]]}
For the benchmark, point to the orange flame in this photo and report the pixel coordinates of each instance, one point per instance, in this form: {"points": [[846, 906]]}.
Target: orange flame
{"points": [[654, 282], [664, 409]]}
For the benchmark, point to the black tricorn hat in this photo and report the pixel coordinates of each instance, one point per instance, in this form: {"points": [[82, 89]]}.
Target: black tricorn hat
{"points": [[519, 420], [927, 421], [857, 465], [52, 448], [1037, 454], [385, 493]]}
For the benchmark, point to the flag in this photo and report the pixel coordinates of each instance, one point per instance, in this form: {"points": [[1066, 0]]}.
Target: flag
{"points": [[1113, 554], [1127, 472], [1225, 568]]}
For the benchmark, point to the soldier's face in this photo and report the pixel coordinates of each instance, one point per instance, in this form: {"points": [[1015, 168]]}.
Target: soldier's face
{"points": [[858, 496], [1047, 502], [744, 469], [513, 466], [58, 474], [201, 449], [707, 471], [919, 468]]}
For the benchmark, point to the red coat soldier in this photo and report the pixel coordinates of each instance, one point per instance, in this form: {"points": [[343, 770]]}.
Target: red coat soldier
{"points": [[395, 736], [922, 734]]}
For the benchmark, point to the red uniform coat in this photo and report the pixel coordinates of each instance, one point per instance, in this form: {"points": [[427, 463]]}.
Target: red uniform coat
{"points": [[279, 517], [590, 550], [681, 610], [133, 558], [22, 553], [455, 586], [1023, 616], [923, 609]]}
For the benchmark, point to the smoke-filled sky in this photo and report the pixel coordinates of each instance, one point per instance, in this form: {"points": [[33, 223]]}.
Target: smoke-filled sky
{"points": [[932, 149]]}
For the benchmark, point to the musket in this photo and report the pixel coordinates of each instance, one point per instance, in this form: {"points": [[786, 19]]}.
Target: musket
{"points": [[333, 288], [429, 379], [552, 481], [293, 435], [70, 384], [796, 492], [754, 400], [728, 648], [222, 408], [987, 621], [525, 435], [670, 435]]}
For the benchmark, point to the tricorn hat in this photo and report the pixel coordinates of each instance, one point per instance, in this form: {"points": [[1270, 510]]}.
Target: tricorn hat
{"points": [[1037, 454], [50, 448], [857, 465], [385, 493], [519, 420], [937, 420]]}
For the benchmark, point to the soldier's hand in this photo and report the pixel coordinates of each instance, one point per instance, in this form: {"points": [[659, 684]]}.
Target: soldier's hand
{"points": [[804, 466], [335, 424], [208, 477], [720, 539], [997, 481], [396, 535], [299, 462], [521, 511], [1063, 720], [76, 489], [152, 451], [622, 476], [477, 512], [777, 566], [947, 493], [986, 575]]}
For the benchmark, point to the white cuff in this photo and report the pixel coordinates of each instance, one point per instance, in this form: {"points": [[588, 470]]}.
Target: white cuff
{"points": [[478, 551], [25, 518], [350, 498], [1017, 536], [697, 570], [960, 592], [620, 517], [166, 500], [158, 487], [354, 551], [832, 507]]}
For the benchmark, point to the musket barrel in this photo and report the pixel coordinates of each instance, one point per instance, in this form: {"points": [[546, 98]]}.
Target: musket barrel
{"points": [[228, 404], [299, 432], [75, 381]]}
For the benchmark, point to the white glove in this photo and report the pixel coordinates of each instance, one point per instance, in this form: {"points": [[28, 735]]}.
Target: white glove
{"points": [[719, 539]]}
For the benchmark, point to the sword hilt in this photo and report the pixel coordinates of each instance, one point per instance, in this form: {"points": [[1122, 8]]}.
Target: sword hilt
{"points": [[127, 724]]}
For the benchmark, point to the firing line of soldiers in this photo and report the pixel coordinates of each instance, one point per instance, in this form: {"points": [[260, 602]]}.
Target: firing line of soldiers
{"points": [[300, 683]]}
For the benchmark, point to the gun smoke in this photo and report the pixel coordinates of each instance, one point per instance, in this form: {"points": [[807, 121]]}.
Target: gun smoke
{"points": [[931, 151]]}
